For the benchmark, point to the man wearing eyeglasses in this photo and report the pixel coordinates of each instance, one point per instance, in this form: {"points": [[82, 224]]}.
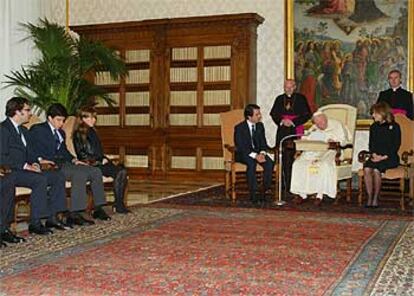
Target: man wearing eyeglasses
{"points": [[17, 154]]}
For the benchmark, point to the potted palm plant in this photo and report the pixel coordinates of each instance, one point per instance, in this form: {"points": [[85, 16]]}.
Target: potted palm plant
{"points": [[59, 75]]}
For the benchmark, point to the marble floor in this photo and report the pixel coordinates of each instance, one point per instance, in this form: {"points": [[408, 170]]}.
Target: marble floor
{"points": [[149, 191]]}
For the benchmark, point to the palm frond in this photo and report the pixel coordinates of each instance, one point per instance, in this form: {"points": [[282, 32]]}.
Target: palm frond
{"points": [[59, 74]]}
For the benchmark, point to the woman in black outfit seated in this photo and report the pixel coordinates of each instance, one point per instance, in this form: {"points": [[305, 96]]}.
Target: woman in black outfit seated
{"points": [[384, 142], [88, 148]]}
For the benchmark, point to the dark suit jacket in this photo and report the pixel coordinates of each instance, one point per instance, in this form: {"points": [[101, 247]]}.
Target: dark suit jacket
{"points": [[44, 143], [400, 99], [243, 140], [13, 152]]}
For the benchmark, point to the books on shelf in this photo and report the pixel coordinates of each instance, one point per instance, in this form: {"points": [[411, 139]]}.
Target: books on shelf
{"points": [[113, 96], [183, 74], [184, 53], [137, 99], [217, 52], [138, 76], [104, 78], [183, 98], [183, 162], [212, 163], [217, 97], [183, 119], [107, 120], [137, 119], [217, 73], [211, 119], [136, 161], [136, 56]]}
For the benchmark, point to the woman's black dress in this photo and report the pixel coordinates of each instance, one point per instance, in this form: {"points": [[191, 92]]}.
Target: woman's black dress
{"points": [[384, 139]]}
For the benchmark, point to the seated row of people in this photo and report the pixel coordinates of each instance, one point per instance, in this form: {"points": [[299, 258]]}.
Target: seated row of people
{"points": [[315, 172], [25, 152]]}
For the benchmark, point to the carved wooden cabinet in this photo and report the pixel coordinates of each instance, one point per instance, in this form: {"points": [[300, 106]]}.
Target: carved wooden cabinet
{"points": [[182, 73]]}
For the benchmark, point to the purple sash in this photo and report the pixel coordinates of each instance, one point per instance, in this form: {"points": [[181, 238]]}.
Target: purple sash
{"points": [[300, 129]]}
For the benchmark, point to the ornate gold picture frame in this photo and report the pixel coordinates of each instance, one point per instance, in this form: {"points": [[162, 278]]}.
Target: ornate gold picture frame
{"points": [[341, 51]]}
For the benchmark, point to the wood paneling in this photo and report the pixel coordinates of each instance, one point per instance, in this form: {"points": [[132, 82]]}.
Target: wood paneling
{"points": [[222, 47]]}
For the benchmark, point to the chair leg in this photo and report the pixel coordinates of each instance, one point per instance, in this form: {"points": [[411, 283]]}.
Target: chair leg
{"points": [[402, 187], [338, 194], [227, 183], [360, 189], [233, 185], [348, 190]]}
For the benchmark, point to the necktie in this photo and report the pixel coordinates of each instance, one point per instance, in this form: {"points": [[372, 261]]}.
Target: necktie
{"points": [[20, 133], [254, 140], [57, 139]]}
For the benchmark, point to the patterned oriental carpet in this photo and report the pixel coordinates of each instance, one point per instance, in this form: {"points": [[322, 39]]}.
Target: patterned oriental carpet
{"points": [[217, 251]]}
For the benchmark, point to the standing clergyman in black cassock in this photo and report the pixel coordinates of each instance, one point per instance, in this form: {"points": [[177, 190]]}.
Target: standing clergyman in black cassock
{"points": [[290, 111]]}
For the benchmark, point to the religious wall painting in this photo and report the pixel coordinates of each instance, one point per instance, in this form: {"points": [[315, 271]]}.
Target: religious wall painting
{"points": [[340, 51]]}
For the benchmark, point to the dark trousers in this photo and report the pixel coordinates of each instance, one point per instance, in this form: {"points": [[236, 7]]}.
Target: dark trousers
{"points": [[288, 156], [80, 175], [42, 202], [119, 173], [251, 173], [7, 192]]}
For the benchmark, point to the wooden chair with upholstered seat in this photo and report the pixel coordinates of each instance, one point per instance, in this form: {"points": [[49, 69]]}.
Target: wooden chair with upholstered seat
{"points": [[228, 121], [401, 173]]}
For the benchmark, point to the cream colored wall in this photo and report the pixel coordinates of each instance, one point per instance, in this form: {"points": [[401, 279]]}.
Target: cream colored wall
{"points": [[270, 46]]}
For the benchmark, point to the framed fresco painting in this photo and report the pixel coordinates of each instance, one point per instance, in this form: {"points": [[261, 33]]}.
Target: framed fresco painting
{"points": [[340, 51]]}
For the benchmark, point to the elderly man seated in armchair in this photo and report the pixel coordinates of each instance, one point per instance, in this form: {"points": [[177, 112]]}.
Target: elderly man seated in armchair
{"points": [[314, 172]]}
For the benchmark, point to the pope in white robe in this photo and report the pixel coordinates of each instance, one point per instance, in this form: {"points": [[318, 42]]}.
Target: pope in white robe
{"points": [[314, 172]]}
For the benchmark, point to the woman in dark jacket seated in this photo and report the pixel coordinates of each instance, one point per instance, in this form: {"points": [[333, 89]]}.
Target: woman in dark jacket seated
{"points": [[384, 142], [88, 148]]}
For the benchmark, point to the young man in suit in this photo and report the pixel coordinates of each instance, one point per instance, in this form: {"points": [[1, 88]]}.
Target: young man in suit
{"points": [[17, 154], [49, 139], [251, 146], [7, 191]]}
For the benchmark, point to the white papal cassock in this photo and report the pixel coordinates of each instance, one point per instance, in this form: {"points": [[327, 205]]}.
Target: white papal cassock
{"points": [[315, 172]]}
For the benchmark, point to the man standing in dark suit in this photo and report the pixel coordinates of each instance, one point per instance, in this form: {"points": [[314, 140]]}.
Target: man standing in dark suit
{"points": [[251, 146], [17, 154], [7, 191], [49, 143], [399, 99], [290, 112]]}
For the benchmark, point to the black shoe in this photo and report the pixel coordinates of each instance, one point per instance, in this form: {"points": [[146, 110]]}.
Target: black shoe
{"points": [[100, 214], [74, 219], [120, 209], [77, 219], [86, 221], [10, 237], [2, 245], [39, 229], [56, 224]]}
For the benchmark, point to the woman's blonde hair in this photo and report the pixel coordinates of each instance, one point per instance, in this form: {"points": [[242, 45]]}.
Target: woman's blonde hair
{"points": [[81, 127], [384, 110]]}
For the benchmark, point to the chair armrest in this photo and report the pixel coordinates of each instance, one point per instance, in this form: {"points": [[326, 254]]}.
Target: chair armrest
{"points": [[405, 157], [232, 150], [364, 156]]}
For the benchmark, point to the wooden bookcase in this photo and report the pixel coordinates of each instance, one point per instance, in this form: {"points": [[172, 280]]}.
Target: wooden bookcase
{"points": [[182, 73]]}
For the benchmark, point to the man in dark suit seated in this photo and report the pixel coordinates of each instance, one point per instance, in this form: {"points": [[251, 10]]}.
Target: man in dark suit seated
{"points": [[251, 146], [7, 191], [49, 139], [17, 154]]}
